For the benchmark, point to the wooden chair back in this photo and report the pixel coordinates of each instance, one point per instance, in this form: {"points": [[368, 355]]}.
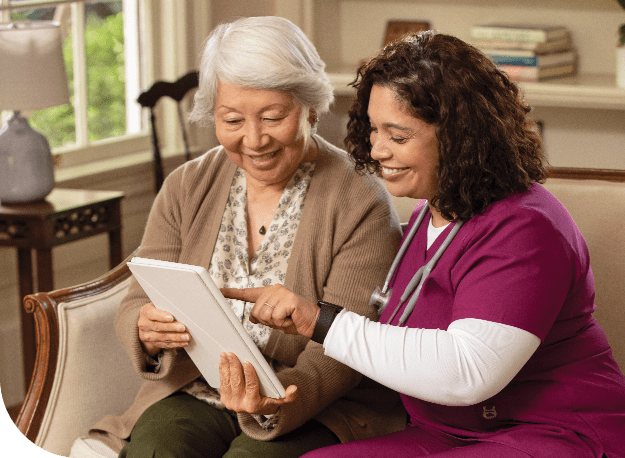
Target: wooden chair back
{"points": [[175, 90]]}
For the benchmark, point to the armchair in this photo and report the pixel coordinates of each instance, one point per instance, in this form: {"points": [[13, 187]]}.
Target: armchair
{"points": [[82, 373], [81, 370]]}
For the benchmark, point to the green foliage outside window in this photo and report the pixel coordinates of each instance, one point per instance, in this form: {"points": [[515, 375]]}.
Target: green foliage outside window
{"points": [[104, 39], [105, 76]]}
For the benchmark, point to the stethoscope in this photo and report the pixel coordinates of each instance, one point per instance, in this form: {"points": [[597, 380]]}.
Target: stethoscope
{"points": [[380, 298]]}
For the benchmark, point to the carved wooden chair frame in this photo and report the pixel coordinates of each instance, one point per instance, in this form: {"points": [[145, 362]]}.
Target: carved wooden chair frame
{"points": [[43, 306]]}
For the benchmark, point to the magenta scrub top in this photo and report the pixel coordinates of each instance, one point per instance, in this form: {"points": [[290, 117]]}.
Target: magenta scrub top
{"points": [[523, 263]]}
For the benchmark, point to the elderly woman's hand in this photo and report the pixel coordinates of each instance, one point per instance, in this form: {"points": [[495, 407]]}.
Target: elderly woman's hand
{"points": [[240, 389], [279, 308], [158, 330]]}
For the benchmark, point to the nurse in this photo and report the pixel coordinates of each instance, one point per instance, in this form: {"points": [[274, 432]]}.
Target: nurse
{"points": [[501, 355]]}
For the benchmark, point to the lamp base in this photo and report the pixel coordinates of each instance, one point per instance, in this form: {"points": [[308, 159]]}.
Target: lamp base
{"points": [[26, 166]]}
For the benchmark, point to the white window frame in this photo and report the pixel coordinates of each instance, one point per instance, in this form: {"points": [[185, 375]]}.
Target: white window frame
{"points": [[136, 140]]}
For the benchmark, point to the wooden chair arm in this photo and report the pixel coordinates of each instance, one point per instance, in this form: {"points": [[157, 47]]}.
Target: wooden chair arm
{"points": [[586, 174], [44, 307]]}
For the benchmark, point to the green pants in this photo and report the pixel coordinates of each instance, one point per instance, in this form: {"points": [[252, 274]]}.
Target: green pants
{"points": [[184, 427]]}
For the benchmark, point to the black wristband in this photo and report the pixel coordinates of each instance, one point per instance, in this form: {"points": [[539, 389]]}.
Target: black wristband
{"points": [[325, 319]]}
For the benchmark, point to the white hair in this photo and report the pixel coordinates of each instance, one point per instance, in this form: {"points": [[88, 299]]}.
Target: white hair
{"points": [[265, 52]]}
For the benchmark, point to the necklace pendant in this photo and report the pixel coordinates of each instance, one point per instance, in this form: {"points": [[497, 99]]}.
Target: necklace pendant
{"points": [[262, 230]]}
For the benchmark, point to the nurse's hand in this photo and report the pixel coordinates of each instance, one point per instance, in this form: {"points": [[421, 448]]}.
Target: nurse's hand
{"points": [[240, 389], [159, 330], [277, 307]]}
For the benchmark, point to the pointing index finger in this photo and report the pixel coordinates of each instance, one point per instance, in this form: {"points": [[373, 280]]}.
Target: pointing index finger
{"points": [[244, 294]]}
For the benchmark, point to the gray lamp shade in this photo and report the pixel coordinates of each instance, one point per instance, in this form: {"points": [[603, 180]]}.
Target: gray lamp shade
{"points": [[32, 73], [32, 77]]}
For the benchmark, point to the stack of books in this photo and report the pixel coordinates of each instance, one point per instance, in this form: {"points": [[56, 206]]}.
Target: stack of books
{"points": [[527, 53]]}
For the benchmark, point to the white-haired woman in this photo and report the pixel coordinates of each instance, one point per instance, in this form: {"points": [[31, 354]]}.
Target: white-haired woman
{"points": [[273, 204]]}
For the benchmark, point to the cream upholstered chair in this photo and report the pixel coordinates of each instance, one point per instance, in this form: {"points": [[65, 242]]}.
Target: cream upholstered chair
{"points": [[81, 373], [596, 201]]}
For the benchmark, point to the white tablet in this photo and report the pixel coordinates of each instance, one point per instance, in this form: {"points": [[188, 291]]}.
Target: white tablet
{"points": [[190, 295]]}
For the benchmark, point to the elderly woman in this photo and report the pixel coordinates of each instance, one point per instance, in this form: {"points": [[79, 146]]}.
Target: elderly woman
{"points": [[274, 204], [500, 355]]}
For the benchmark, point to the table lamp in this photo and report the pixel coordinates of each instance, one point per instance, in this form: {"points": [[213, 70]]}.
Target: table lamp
{"points": [[32, 77]]}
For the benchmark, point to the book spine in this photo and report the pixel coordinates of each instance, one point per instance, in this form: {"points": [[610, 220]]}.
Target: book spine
{"points": [[543, 60], [521, 73], [562, 44], [503, 34], [530, 74], [516, 60]]}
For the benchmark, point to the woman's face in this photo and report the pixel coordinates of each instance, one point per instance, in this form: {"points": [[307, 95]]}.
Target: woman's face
{"points": [[406, 147], [261, 133]]}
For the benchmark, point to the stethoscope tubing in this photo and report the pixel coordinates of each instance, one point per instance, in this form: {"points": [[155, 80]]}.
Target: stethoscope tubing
{"points": [[404, 246], [420, 277], [413, 289]]}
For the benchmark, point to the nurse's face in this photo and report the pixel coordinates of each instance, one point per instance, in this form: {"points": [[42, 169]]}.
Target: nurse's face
{"points": [[406, 147]]}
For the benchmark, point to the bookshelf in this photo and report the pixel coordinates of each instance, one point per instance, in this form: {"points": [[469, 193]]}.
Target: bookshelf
{"points": [[589, 91], [346, 31]]}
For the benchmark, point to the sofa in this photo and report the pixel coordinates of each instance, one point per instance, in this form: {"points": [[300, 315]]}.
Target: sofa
{"points": [[82, 373]]}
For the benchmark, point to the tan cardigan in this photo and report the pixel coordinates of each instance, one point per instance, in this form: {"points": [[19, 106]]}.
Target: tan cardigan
{"points": [[345, 243]]}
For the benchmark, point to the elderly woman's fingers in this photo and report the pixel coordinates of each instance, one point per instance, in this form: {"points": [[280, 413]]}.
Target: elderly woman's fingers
{"points": [[167, 340], [224, 377], [159, 330], [252, 389], [153, 343], [232, 385], [252, 385], [240, 388], [150, 312], [153, 319], [237, 380]]}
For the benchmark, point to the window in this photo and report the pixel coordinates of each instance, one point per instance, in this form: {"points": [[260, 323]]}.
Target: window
{"points": [[104, 65]]}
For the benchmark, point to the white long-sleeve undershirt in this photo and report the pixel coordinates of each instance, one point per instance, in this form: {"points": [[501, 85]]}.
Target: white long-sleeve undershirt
{"points": [[466, 364]]}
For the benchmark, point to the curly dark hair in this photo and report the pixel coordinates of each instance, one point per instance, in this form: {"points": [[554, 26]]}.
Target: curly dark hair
{"points": [[488, 148]]}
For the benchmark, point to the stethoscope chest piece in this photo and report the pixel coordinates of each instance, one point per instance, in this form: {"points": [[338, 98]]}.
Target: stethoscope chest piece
{"points": [[381, 297]]}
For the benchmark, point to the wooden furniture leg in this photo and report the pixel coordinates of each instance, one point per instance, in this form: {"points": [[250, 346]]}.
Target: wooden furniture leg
{"points": [[25, 267]]}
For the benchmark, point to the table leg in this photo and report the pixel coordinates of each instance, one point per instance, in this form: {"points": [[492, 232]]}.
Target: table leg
{"points": [[45, 275], [25, 268], [115, 248]]}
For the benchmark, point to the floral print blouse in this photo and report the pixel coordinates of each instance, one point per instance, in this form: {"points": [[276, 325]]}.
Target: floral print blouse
{"points": [[231, 266]]}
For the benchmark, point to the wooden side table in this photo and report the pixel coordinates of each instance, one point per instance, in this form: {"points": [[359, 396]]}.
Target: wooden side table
{"points": [[64, 216]]}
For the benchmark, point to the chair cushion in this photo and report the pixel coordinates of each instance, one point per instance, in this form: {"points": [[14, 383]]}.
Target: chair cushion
{"points": [[598, 209], [94, 376]]}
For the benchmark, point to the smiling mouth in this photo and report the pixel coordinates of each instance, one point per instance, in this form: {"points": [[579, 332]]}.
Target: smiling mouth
{"points": [[263, 158], [392, 171]]}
